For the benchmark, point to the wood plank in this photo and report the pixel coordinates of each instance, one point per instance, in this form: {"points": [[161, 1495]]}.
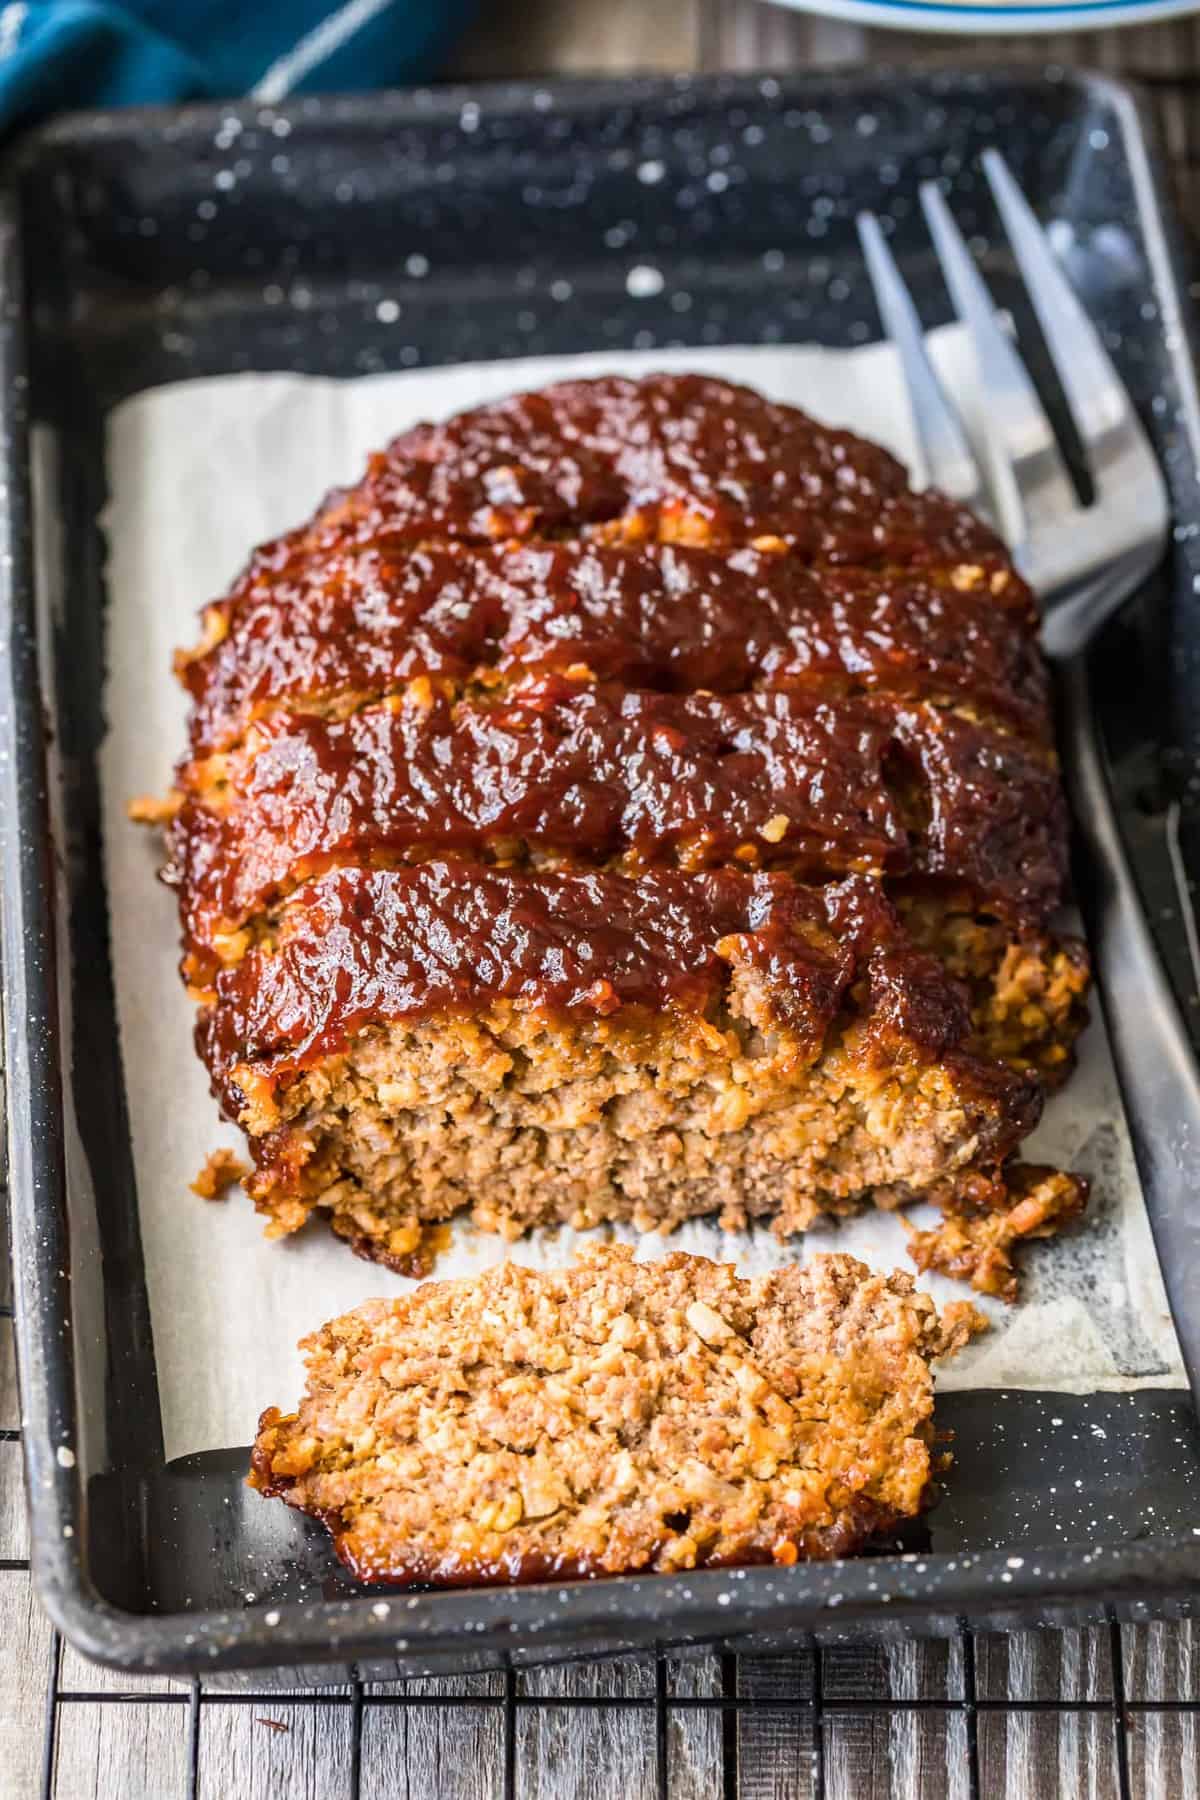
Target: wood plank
{"points": [[916, 1669], [14, 1526], [694, 1672], [137, 1751], [24, 1667], [5, 1260], [878, 1756], [577, 37], [123, 1744], [901, 1752], [1068, 1752], [626, 1675], [694, 1738], [1161, 1661], [775, 1749], [10, 1409], [455, 1753], [1164, 1756], [76, 1675], [1043, 1665], [268, 1749], [586, 1753], [737, 35], [1048, 1755]]}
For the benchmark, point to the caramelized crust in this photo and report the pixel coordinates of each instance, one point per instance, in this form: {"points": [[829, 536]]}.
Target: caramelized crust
{"points": [[358, 945], [677, 458], [320, 631], [618, 1416], [603, 774]]}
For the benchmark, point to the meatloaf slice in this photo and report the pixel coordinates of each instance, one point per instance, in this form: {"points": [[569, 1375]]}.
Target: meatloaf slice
{"points": [[613, 1417], [326, 632], [603, 773], [630, 801], [589, 1047]]}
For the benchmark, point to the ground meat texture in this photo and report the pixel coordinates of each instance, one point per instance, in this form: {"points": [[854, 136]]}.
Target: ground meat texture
{"points": [[618, 1416], [630, 801], [1028, 997], [974, 1240], [221, 1169]]}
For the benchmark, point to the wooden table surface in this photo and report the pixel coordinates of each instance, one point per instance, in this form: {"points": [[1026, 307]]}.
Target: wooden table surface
{"points": [[1043, 1706]]}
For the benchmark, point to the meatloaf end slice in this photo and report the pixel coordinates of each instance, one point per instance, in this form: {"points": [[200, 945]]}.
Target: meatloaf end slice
{"points": [[590, 1047], [616, 1416]]}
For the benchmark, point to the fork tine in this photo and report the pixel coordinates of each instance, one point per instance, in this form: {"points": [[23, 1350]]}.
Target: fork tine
{"points": [[942, 442], [1017, 421], [1092, 386]]}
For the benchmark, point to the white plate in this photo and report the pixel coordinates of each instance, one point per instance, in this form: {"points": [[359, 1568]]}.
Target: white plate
{"points": [[965, 18]]}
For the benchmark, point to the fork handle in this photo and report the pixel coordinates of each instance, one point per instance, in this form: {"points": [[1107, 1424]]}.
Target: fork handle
{"points": [[1156, 1066]]}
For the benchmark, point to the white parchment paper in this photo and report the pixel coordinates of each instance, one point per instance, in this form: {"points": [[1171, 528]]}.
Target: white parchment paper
{"points": [[198, 473]]}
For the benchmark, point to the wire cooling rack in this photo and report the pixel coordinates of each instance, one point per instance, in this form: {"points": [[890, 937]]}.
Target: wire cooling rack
{"points": [[810, 1742]]}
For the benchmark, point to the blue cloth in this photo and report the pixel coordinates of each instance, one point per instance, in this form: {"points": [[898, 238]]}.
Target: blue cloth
{"points": [[59, 54]]}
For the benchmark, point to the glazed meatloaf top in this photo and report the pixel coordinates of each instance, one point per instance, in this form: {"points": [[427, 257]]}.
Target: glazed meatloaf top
{"points": [[616, 1416], [317, 621], [746, 643], [634, 778]]}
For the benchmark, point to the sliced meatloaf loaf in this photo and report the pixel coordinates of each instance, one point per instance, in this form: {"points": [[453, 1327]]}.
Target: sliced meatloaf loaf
{"points": [[613, 1417], [631, 801]]}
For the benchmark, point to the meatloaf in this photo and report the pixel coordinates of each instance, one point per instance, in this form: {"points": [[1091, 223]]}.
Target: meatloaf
{"points": [[630, 801], [613, 1417]]}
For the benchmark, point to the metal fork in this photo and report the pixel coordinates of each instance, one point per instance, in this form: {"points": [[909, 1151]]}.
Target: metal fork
{"points": [[1082, 562]]}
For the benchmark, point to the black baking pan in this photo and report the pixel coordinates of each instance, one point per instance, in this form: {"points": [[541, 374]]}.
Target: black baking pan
{"points": [[139, 248]]}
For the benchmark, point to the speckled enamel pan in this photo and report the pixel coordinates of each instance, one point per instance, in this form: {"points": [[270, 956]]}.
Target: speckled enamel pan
{"points": [[345, 236]]}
